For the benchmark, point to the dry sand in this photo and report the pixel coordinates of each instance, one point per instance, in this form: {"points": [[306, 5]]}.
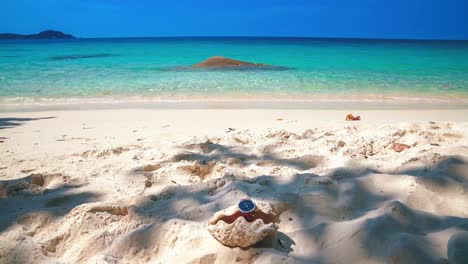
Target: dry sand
{"points": [[139, 186]]}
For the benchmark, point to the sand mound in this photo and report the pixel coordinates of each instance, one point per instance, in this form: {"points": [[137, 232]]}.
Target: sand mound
{"points": [[34, 184], [345, 193]]}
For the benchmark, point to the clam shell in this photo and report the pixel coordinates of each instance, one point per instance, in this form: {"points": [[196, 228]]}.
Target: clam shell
{"points": [[231, 229]]}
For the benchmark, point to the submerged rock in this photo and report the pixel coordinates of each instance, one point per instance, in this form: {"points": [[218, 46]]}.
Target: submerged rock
{"points": [[220, 62], [223, 63]]}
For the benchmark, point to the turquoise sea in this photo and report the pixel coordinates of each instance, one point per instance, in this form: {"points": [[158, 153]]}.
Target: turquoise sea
{"points": [[94, 68]]}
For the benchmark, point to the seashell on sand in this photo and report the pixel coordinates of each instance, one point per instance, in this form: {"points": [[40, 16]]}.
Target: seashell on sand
{"points": [[231, 229]]}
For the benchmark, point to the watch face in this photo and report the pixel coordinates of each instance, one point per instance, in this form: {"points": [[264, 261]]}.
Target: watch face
{"points": [[246, 206]]}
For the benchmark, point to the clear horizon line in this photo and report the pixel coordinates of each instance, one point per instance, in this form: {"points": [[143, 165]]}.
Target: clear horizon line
{"points": [[265, 36]]}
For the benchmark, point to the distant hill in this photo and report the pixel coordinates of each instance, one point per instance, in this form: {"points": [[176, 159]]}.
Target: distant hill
{"points": [[48, 34]]}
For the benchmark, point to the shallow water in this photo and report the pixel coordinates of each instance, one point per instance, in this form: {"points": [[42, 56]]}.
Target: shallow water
{"points": [[94, 68]]}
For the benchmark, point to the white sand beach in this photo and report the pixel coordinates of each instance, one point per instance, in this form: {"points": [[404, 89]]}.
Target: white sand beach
{"points": [[140, 185]]}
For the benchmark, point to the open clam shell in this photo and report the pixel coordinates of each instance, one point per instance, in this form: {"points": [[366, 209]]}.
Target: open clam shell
{"points": [[231, 229]]}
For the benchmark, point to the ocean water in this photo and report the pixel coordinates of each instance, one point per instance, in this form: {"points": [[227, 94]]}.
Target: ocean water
{"points": [[146, 67]]}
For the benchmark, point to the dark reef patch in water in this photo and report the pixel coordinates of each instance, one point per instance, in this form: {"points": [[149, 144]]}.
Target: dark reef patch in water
{"points": [[84, 56], [18, 50]]}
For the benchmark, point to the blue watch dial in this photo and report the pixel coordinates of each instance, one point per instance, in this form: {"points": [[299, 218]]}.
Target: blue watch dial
{"points": [[246, 206]]}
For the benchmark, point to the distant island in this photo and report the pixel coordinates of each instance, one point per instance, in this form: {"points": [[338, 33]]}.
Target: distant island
{"points": [[48, 34]]}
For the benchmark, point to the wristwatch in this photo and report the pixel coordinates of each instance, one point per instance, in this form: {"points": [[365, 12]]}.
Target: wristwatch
{"points": [[247, 208]]}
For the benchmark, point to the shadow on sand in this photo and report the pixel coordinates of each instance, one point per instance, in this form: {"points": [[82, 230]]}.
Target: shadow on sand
{"points": [[10, 122], [20, 198], [318, 205]]}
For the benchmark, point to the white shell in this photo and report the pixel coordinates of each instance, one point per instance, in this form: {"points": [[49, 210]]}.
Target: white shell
{"points": [[241, 233]]}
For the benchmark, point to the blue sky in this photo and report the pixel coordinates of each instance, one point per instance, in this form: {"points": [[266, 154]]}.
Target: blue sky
{"points": [[418, 19]]}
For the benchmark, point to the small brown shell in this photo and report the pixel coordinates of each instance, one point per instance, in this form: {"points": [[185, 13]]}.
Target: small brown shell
{"points": [[231, 229]]}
